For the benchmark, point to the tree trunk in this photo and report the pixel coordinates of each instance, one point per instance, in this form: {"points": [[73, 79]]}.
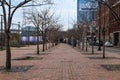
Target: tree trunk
{"points": [[104, 43], [86, 44], [46, 45], [8, 52], [49, 44], [49, 40], [38, 49], [52, 44], [43, 42], [37, 41], [104, 35], [83, 44], [92, 43], [43, 45], [78, 44]]}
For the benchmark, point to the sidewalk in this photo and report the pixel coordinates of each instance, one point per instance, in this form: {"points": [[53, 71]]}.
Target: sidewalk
{"points": [[61, 63]]}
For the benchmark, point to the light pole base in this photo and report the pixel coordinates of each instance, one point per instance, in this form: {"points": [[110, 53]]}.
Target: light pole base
{"points": [[99, 49]]}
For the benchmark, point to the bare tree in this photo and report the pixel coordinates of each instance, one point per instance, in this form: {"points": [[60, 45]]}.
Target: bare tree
{"points": [[10, 9], [53, 29], [55, 33], [80, 33], [84, 27], [87, 16], [42, 20], [36, 20], [7, 25]]}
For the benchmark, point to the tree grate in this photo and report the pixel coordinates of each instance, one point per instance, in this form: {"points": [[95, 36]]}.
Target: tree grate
{"points": [[91, 53], [103, 58], [17, 68], [28, 58], [66, 61], [111, 67]]}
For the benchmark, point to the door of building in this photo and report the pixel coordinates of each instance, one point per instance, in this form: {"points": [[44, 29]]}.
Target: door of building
{"points": [[116, 38]]}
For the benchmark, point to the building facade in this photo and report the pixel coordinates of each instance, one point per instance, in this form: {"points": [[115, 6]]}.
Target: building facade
{"points": [[115, 24], [29, 35], [110, 21]]}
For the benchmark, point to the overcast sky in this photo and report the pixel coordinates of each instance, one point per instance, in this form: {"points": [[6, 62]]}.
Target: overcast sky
{"points": [[66, 9]]}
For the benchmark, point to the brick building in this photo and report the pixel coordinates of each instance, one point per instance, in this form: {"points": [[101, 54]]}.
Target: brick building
{"points": [[112, 28]]}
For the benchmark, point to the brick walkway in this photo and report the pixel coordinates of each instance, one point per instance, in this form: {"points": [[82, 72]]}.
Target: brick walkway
{"points": [[62, 63]]}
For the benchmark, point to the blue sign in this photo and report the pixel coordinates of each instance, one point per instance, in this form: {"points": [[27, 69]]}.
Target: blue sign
{"points": [[86, 7]]}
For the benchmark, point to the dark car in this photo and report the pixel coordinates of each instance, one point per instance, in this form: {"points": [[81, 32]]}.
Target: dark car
{"points": [[92, 43], [99, 42]]}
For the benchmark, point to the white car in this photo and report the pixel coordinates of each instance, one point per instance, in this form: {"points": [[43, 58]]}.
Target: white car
{"points": [[108, 44]]}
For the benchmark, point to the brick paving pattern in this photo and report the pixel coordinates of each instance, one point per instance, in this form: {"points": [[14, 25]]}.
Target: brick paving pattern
{"points": [[61, 63]]}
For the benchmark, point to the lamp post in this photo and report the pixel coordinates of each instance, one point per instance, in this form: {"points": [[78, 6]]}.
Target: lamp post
{"points": [[99, 46]]}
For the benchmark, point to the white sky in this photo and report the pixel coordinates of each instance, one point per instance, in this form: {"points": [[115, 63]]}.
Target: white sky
{"points": [[66, 9]]}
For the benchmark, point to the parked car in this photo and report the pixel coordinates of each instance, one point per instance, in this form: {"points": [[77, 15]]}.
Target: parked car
{"points": [[108, 44], [97, 43], [92, 43]]}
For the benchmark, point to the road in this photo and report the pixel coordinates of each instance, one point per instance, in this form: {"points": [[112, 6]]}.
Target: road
{"points": [[111, 49]]}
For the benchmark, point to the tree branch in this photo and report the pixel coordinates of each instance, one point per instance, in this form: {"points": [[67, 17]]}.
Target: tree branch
{"points": [[18, 6], [4, 14]]}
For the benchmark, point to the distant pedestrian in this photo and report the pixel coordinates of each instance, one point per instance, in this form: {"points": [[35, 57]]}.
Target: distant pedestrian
{"points": [[73, 42]]}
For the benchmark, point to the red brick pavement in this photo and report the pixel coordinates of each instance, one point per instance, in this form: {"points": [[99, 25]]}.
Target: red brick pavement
{"points": [[62, 63]]}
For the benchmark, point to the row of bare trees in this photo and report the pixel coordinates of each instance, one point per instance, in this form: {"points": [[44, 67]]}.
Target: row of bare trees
{"points": [[45, 22], [42, 20], [87, 23]]}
